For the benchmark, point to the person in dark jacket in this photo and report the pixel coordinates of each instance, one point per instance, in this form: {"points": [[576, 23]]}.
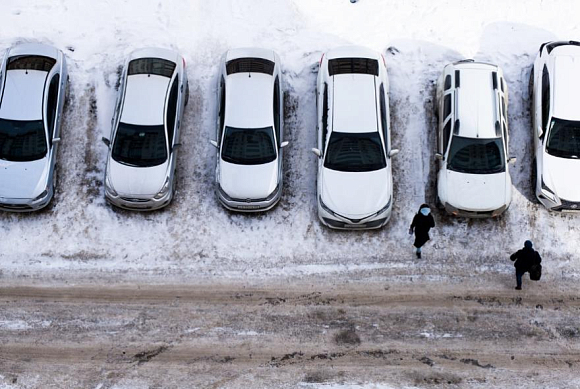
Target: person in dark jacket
{"points": [[524, 259], [422, 223]]}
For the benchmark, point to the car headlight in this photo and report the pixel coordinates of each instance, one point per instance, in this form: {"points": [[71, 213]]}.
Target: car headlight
{"points": [[385, 208], [324, 206], [163, 190], [273, 194], [41, 196], [109, 188], [548, 193]]}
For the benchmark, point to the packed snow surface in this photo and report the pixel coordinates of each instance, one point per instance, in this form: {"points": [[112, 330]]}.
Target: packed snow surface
{"points": [[81, 237]]}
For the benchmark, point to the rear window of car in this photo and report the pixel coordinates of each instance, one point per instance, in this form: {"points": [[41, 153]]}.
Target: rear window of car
{"points": [[156, 66], [30, 62], [250, 65], [353, 65]]}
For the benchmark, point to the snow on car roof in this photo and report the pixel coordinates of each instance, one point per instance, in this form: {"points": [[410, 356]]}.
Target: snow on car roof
{"points": [[566, 86], [23, 93], [249, 100], [355, 107], [145, 100], [476, 103]]}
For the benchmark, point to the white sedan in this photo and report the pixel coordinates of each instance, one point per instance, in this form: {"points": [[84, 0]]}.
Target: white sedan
{"points": [[355, 183], [140, 173], [249, 130], [554, 83]]}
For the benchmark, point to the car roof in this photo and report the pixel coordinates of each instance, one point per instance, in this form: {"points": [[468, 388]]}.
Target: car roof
{"points": [[566, 84], [249, 100], [23, 93], [145, 100], [355, 109], [476, 104]]}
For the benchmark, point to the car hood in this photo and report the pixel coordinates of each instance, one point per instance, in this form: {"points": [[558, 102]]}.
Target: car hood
{"points": [[355, 194], [477, 192], [561, 176], [23, 180], [248, 181], [136, 181]]}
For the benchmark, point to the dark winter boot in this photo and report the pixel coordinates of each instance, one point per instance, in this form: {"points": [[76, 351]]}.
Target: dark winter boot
{"points": [[418, 254]]}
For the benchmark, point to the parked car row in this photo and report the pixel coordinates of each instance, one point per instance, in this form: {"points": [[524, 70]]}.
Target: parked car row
{"points": [[354, 181]]}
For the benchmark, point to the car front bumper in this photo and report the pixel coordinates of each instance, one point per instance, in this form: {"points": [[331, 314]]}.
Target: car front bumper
{"points": [[475, 213], [338, 222], [249, 205], [26, 205], [137, 203]]}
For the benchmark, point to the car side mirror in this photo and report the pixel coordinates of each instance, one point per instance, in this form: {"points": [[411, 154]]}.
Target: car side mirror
{"points": [[284, 144], [512, 160], [106, 141], [55, 140], [317, 152], [214, 144], [393, 152], [439, 156]]}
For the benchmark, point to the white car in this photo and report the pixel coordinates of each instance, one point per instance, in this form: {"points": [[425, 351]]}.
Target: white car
{"points": [[141, 161], [354, 183], [33, 80], [249, 130], [473, 177], [554, 83]]}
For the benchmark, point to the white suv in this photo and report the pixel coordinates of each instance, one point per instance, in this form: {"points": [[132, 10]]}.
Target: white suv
{"points": [[554, 83], [355, 183], [472, 140]]}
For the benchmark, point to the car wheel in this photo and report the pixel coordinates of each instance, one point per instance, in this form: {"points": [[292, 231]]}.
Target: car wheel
{"points": [[186, 94]]}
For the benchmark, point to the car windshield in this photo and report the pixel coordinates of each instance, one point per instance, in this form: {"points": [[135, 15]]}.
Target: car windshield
{"points": [[22, 140], [476, 156], [564, 139], [249, 146], [140, 145], [358, 152]]}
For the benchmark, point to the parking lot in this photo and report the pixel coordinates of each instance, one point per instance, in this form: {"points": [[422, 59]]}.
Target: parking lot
{"points": [[273, 291]]}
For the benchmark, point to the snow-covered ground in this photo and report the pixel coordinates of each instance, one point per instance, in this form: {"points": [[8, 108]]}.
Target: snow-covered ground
{"points": [[81, 238]]}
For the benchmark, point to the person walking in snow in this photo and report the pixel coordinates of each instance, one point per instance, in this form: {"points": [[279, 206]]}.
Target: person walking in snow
{"points": [[422, 223], [524, 259]]}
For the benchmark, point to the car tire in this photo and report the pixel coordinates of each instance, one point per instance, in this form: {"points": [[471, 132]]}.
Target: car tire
{"points": [[186, 94], [531, 88]]}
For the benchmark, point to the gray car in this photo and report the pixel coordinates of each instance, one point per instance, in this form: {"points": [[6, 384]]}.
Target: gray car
{"points": [[141, 161], [33, 81]]}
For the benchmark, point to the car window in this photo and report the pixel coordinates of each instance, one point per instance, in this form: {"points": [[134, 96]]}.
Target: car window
{"points": [[172, 110], [447, 105], [355, 152], [448, 81], [52, 106], [142, 146], [222, 112], [545, 97], [277, 109], [503, 107], [446, 135], [22, 140], [384, 114], [564, 139], [249, 146], [324, 115], [476, 156]]}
